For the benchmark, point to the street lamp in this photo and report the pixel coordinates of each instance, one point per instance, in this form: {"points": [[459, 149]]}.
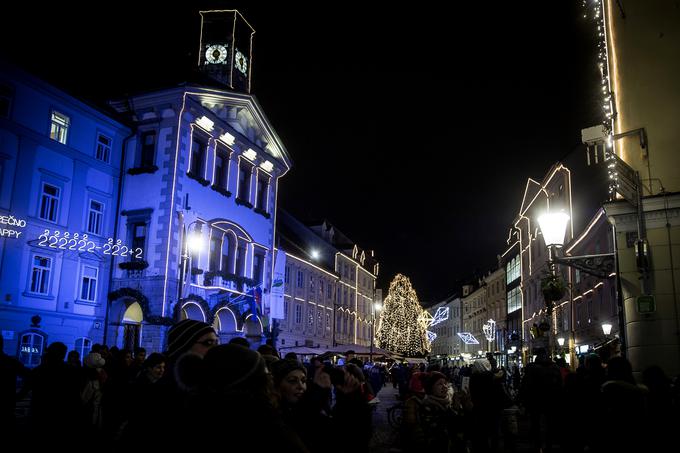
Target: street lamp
{"points": [[553, 228], [193, 242], [606, 328]]}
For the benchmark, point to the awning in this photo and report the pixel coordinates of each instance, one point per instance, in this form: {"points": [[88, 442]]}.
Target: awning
{"points": [[415, 360], [301, 350]]}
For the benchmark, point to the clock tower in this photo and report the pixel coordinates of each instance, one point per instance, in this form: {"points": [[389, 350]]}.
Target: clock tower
{"points": [[225, 52]]}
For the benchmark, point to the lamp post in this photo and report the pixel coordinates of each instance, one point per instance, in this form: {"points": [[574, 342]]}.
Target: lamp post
{"points": [[553, 227], [376, 307]]}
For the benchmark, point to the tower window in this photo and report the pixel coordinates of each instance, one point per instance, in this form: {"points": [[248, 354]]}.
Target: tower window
{"points": [[103, 151], [147, 153], [262, 191], [94, 217], [197, 157], [245, 170], [221, 170], [40, 274], [88, 286], [59, 127], [49, 202]]}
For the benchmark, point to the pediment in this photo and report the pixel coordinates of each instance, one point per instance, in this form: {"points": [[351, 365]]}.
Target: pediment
{"points": [[243, 114]]}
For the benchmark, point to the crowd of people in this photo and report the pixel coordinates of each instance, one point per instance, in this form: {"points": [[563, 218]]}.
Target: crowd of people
{"points": [[200, 393]]}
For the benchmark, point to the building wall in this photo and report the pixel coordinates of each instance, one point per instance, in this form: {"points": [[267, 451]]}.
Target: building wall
{"points": [[184, 202], [447, 343], [496, 306], [644, 67], [29, 158], [553, 194], [594, 298], [315, 299]]}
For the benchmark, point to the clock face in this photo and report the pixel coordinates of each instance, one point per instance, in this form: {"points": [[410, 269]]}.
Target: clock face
{"points": [[241, 62], [215, 54]]}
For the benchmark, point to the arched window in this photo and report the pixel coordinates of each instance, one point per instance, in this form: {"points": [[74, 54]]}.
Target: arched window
{"points": [[215, 250], [31, 348]]}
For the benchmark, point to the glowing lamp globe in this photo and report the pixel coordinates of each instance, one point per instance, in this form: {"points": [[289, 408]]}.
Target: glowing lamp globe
{"points": [[553, 226], [195, 242], [606, 328]]}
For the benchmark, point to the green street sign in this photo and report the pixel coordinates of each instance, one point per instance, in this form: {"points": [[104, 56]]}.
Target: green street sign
{"points": [[645, 304]]}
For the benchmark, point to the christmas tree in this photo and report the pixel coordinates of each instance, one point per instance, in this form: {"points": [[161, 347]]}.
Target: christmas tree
{"points": [[401, 329]]}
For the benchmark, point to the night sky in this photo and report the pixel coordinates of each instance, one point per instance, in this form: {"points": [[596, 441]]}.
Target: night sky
{"points": [[413, 130]]}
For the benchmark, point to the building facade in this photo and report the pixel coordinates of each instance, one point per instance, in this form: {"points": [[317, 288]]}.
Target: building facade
{"points": [[645, 207], [130, 228], [207, 228], [594, 298], [329, 288], [447, 345], [552, 194], [60, 169]]}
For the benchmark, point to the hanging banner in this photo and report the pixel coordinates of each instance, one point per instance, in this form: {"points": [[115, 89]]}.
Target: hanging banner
{"points": [[277, 290]]}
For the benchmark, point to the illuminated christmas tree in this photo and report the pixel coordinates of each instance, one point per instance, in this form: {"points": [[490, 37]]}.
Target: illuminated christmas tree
{"points": [[401, 329]]}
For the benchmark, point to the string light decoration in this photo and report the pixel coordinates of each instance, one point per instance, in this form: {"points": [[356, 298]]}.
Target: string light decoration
{"points": [[402, 324], [595, 9]]}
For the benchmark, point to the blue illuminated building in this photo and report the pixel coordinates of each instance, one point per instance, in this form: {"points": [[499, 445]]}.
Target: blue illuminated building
{"points": [[113, 226], [59, 177]]}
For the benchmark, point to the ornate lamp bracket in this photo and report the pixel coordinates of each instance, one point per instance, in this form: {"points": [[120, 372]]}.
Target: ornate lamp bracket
{"points": [[601, 266]]}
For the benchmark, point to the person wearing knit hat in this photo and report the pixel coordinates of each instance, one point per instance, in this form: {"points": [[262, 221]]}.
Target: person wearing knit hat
{"points": [[190, 335], [281, 368]]}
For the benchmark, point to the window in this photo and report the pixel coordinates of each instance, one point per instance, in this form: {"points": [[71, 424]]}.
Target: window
{"points": [[95, 217], [6, 96], [328, 291], [258, 267], [328, 321], [311, 284], [513, 269], [245, 170], [49, 202], [514, 300], [287, 275], [310, 316], [215, 251], [577, 276], [197, 157], [103, 151], [262, 191], [88, 285], [147, 156], [138, 238], [31, 349], [300, 279], [221, 170], [240, 261], [226, 252], [298, 314], [321, 287], [59, 127], [40, 274], [285, 308], [83, 346]]}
